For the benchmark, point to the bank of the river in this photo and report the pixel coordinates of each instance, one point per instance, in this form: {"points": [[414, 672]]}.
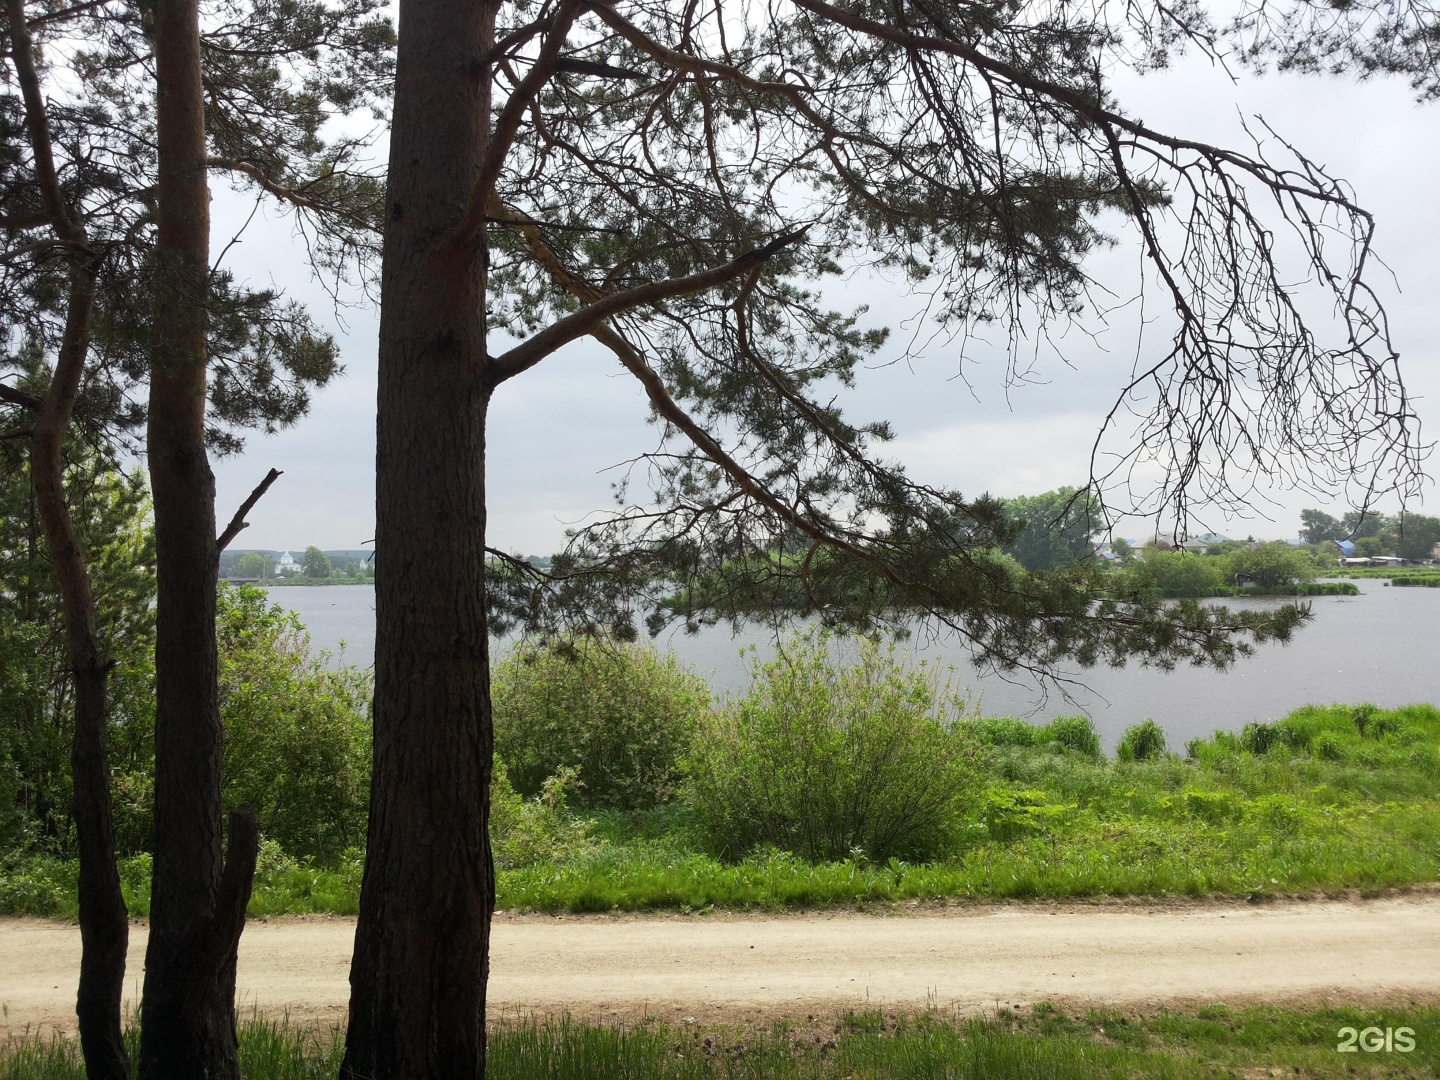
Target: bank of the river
{"points": [[1329, 800]]}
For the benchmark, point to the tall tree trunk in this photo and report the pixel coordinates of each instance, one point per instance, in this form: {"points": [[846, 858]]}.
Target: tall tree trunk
{"points": [[104, 923], [417, 979], [196, 910]]}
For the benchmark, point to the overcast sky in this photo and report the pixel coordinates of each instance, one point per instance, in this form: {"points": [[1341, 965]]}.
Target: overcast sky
{"points": [[556, 431]]}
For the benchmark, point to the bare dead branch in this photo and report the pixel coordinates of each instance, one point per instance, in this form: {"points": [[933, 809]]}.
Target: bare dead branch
{"points": [[238, 522]]}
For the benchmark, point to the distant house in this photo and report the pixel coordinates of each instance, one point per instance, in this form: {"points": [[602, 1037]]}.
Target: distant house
{"points": [[1193, 545], [286, 564], [1346, 548], [1107, 551], [1211, 539]]}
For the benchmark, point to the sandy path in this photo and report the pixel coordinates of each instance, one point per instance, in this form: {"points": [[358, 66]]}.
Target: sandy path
{"points": [[721, 967]]}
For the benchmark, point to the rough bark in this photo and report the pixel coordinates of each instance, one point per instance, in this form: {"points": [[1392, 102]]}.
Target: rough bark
{"points": [[104, 924], [188, 1030], [421, 945]]}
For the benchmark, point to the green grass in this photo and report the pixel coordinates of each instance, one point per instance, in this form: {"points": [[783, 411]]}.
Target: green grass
{"points": [[1420, 572], [1328, 799], [1310, 588], [1038, 1043]]}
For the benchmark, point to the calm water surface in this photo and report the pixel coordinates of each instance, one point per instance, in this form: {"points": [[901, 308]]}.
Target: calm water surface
{"points": [[1382, 646]]}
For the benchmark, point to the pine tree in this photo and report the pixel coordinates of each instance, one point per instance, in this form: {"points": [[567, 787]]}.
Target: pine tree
{"points": [[673, 181]]}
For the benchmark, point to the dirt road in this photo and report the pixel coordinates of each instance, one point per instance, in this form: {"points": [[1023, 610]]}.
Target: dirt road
{"points": [[737, 967]]}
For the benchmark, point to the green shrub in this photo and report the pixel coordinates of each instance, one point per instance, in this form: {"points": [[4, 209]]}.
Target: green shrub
{"points": [[1074, 733], [1259, 738], [1327, 745], [297, 733], [1271, 566], [825, 758], [528, 831], [1142, 742], [1211, 806], [1179, 573], [619, 715], [1015, 815], [1002, 731], [1362, 715]]}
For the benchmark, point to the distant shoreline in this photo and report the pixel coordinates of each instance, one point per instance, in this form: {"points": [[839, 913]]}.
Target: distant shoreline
{"points": [[280, 584]]}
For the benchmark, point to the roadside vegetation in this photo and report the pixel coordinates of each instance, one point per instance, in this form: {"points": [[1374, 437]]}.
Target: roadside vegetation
{"points": [[1011, 1044], [845, 775]]}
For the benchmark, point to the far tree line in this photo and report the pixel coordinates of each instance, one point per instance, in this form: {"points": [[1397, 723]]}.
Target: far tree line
{"points": [[1066, 526], [312, 564]]}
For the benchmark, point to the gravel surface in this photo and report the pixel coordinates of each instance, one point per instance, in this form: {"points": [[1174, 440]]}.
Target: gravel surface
{"points": [[745, 967]]}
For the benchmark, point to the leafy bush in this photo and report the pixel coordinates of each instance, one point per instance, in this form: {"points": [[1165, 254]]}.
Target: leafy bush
{"points": [[1016, 815], [528, 831], [111, 517], [1272, 565], [1179, 573], [297, 733], [1209, 806], [824, 758], [1142, 742], [619, 715]]}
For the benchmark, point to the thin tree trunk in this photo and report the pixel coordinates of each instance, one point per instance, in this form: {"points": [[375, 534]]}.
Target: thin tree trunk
{"points": [[104, 924], [418, 975], [188, 1026]]}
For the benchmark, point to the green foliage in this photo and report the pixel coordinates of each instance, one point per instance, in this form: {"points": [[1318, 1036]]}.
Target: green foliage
{"points": [[1316, 527], [1144, 741], [1327, 807], [1271, 565], [1370, 547], [1179, 573], [1045, 1041], [1408, 536], [315, 563], [111, 512], [1230, 569], [255, 564], [1059, 528], [297, 733], [618, 715], [1075, 734], [528, 831], [1418, 536], [824, 757]]}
